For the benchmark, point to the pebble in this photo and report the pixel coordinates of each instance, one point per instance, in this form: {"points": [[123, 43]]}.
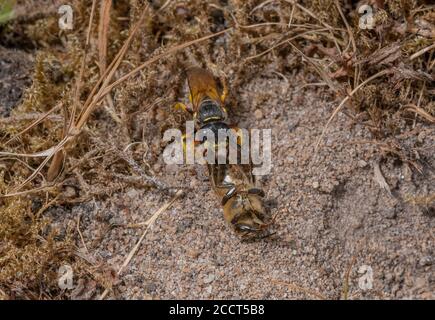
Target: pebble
{"points": [[426, 261], [258, 114], [69, 192], [132, 193], [150, 288], [420, 282], [210, 278], [160, 115], [362, 164]]}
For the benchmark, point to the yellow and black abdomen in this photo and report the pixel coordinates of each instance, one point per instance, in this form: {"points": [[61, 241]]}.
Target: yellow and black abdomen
{"points": [[210, 111]]}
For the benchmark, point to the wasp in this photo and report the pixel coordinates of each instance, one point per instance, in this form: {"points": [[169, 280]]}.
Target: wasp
{"points": [[234, 184]]}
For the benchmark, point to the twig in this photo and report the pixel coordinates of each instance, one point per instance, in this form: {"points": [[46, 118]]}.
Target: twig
{"points": [[80, 234], [379, 178], [148, 223], [283, 42], [312, 15], [420, 111], [158, 57], [422, 51], [377, 75], [139, 171], [36, 122], [345, 292]]}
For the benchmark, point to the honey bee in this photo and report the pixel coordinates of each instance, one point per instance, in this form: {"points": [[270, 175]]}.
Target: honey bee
{"points": [[234, 184]]}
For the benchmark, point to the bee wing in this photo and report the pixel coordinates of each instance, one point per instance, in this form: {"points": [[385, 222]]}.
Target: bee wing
{"points": [[202, 84]]}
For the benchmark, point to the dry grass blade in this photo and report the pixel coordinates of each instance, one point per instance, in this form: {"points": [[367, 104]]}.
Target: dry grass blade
{"points": [[422, 51], [39, 154], [35, 123], [148, 224], [34, 190], [48, 158], [377, 75], [59, 157], [284, 42], [349, 29], [345, 290], [312, 15], [34, 116], [82, 68], [94, 97], [56, 165], [420, 111], [103, 28], [158, 57]]}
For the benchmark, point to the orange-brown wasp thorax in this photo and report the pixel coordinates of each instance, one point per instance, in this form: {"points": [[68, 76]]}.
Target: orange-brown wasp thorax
{"points": [[204, 96]]}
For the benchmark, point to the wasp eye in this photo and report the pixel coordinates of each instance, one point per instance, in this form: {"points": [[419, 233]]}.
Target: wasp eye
{"points": [[256, 191]]}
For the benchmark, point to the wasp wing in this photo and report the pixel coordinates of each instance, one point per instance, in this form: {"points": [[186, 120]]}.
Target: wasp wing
{"points": [[202, 84]]}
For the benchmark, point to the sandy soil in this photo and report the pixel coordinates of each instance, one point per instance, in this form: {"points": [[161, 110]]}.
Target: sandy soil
{"points": [[333, 220], [14, 77], [333, 217]]}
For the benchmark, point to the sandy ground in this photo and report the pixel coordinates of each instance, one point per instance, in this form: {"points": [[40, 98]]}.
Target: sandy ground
{"points": [[15, 76], [333, 217], [335, 225]]}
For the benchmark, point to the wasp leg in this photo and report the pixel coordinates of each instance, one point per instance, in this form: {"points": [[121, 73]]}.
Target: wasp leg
{"points": [[224, 89], [239, 133], [182, 106], [184, 143]]}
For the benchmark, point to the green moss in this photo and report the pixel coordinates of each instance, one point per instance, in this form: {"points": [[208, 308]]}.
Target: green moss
{"points": [[6, 10]]}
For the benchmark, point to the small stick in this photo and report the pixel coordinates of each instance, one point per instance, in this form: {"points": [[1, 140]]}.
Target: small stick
{"points": [[148, 223], [81, 235], [379, 178], [136, 168], [377, 75], [422, 51], [345, 292]]}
